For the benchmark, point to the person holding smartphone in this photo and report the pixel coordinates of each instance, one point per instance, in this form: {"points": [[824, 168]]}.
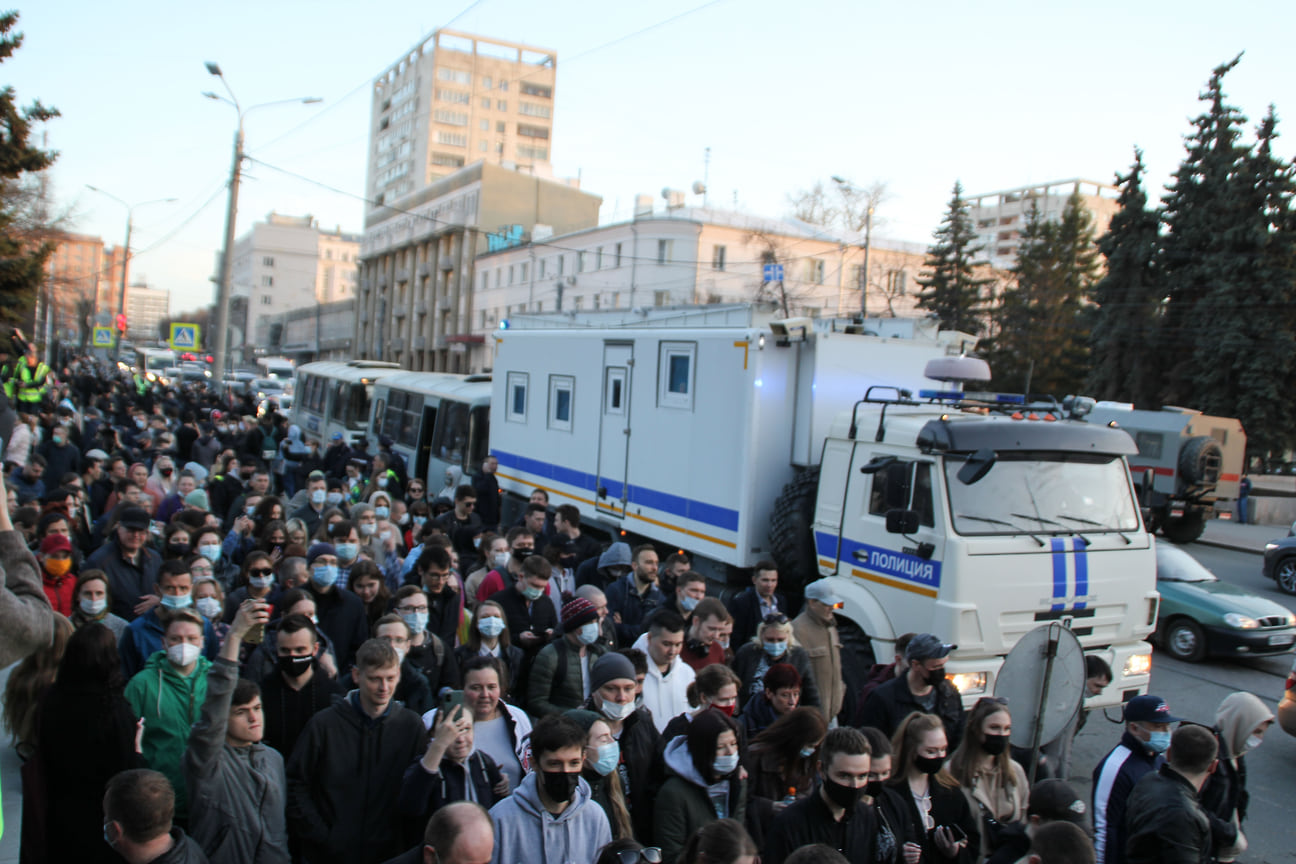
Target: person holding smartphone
{"points": [[932, 796]]}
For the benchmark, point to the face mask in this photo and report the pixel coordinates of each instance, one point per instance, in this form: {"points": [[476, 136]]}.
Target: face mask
{"points": [[420, 521], [589, 633], [403, 520], [688, 604], [400, 653], [368, 528], [261, 581], [727, 710], [208, 607], [775, 649], [140, 424], [333, 498], [58, 442], [1158, 742], [382, 512], [1253, 742], [294, 666], [723, 766], [325, 575], [318, 496], [843, 796], [609, 756], [57, 567], [382, 482], [724, 643], [166, 472], [93, 608], [995, 744], [559, 785], [385, 536], [615, 711], [179, 548], [807, 752], [347, 551], [417, 621], [177, 601], [210, 551], [532, 593], [249, 510], [500, 560], [935, 676], [521, 555], [929, 764], [183, 654], [490, 627], [873, 789]]}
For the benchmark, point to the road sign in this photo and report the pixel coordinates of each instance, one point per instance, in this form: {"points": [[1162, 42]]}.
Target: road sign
{"points": [[773, 272], [102, 338], [184, 336]]}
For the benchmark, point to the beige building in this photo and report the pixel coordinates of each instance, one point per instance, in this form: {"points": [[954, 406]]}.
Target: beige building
{"points": [[455, 99], [999, 217], [74, 272], [417, 303], [146, 308], [694, 256]]}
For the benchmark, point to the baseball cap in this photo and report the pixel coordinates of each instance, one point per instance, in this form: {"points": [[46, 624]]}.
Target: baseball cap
{"points": [[822, 591], [925, 646], [55, 543], [1149, 709], [337, 436], [1056, 800], [135, 518], [97, 454]]}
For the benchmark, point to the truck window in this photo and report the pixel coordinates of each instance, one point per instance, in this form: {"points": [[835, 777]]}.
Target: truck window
{"points": [[903, 486], [1149, 444]]}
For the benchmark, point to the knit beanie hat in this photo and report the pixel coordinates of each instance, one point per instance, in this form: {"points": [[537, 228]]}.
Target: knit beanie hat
{"points": [[610, 667], [577, 612]]}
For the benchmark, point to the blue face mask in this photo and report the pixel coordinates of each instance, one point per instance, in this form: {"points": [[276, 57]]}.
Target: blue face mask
{"points": [[347, 551], [250, 510], [382, 512], [609, 756], [324, 575], [531, 593], [181, 601], [688, 604], [807, 752], [210, 551], [589, 633], [420, 521], [317, 496], [334, 498], [1158, 742], [723, 766], [490, 627], [775, 649]]}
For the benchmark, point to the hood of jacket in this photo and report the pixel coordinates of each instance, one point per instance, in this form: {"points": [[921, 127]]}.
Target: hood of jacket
{"points": [[1237, 718], [616, 555], [680, 761], [527, 796], [294, 433]]}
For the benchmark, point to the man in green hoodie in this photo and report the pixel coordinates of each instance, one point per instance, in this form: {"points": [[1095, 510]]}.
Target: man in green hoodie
{"points": [[168, 694]]}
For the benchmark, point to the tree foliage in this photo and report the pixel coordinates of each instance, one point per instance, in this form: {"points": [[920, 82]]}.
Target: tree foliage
{"points": [[1127, 300], [24, 241], [951, 288]]}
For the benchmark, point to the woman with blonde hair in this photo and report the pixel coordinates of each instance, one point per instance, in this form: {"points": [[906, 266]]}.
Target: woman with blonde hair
{"points": [[774, 643], [994, 784], [937, 807]]}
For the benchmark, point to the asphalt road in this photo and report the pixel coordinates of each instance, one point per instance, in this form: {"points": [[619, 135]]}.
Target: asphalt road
{"points": [[1194, 691]]}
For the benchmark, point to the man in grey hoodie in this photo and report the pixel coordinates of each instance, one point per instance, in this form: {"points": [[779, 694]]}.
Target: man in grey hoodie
{"points": [[551, 816], [236, 784]]}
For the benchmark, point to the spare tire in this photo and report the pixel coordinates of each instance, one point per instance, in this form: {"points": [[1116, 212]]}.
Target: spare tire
{"points": [[792, 532], [1199, 461]]}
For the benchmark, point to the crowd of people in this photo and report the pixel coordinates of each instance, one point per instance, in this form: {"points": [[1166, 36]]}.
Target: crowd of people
{"points": [[241, 644]]}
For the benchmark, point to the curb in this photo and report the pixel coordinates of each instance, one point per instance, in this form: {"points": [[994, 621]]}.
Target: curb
{"points": [[1225, 544]]}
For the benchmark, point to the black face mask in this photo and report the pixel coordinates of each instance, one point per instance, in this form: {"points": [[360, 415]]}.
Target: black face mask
{"points": [[995, 744], [522, 554], [559, 785], [935, 677], [294, 667], [166, 472], [843, 796], [929, 764], [873, 789], [698, 647], [179, 548]]}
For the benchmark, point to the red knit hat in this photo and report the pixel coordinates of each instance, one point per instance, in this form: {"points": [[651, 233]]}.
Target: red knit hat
{"points": [[576, 613]]}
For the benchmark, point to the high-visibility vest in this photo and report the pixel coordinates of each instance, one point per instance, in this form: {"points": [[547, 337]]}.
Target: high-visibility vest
{"points": [[32, 384]]}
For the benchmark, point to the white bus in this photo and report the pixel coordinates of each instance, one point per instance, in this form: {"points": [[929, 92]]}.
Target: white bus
{"points": [[334, 397], [150, 362], [275, 367], [435, 420]]}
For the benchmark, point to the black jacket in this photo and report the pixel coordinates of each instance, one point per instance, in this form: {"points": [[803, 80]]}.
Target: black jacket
{"points": [[746, 611], [344, 778], [751, 663], [423, 793], [512, 657], [949, 806], [537, 616], [443, 614], [808, 820], [641, 758], [437, 662], [892, 702], [413, 691], [127, 582], [1165, 823], [342, 616], [287, 711], [488, 499], [1224, 794], [633, 607]]}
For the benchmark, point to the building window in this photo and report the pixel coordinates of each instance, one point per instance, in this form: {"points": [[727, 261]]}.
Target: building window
{"points": [[486, 103], [537, 90], [502, 105], [517, 397], [447, 159], [718, 258], [541, 111], [483, 146], [267, 281], [580, 262], [266, 300], [267, 261], [664, 250], [523, 276], [661, 298], [484, 125], [598, 258], [455, 76], [485, 280], [617, 259], [561, 391], [535, 153], [504, 86], [815, 271], [561, 258], [486, 82], [500, 127], [453, 139], [510, 274], [540, 132], [675, 375], [457, 97], [543, 262], [451, 118]]}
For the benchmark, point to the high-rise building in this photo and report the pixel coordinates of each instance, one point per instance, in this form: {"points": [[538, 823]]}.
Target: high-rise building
{"points": [[455, 99], [74, 273], [1000, 216], [145, 309]]}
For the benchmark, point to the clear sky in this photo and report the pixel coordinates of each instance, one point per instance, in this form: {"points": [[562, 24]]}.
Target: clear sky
{"points": [[996, 94]]}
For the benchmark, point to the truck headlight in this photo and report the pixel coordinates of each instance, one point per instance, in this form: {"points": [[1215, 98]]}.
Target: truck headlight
{"points": [[1270, 547], [969, 683], [1240, 621], [1137, 664]]}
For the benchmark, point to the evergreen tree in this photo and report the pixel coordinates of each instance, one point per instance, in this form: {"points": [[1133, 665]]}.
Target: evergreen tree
{"points": [[1042, 336], [951, 289], [24, 246], [1123, 332]]}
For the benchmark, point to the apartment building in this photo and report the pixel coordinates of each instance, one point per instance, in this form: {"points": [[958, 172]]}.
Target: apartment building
{"points": [[146, 308], [74, 272], [999, 217]]}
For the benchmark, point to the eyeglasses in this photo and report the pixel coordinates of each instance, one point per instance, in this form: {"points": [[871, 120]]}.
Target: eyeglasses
{"points": [[257, 571], [650, 854], [414, 609], [468, 503], [775, 618]]}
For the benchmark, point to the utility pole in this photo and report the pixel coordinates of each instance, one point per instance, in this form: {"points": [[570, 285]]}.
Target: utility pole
{"points": [[868, 242], [223, 287]]}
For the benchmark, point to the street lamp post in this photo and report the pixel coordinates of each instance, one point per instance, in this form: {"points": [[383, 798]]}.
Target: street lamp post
{"points": [[845, 184], [225, 284], [130, 215]]}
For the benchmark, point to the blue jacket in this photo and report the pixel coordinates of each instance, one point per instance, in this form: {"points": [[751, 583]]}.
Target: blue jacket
{"points": [[1113, 781], [526, 831], [143, 638], [623, 598]]}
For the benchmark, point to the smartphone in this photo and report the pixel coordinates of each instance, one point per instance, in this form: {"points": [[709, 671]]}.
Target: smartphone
{"points": [[956, 832], [451, 699]]}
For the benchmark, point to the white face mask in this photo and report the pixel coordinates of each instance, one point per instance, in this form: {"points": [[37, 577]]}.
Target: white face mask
{"points": [[183, 654], [93, 607], [1253, 742]]}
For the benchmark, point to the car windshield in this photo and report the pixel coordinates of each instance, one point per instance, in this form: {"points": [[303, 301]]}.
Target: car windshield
{"points": [[1176, 565], [1043, 493], [269, 384]]}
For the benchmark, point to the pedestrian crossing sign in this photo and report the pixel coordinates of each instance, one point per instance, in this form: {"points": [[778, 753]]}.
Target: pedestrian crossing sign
{"points": [[184, 337], [102, 337]]}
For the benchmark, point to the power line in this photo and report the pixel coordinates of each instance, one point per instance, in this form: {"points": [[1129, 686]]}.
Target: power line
{"points": [[176, 230]]}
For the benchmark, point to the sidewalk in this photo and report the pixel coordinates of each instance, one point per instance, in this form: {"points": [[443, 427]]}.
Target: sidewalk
{"points": [[1243, 538]]}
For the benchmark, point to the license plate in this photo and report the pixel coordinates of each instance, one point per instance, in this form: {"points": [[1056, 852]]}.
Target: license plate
{"points": [[1281, 639], [1175, 514]]}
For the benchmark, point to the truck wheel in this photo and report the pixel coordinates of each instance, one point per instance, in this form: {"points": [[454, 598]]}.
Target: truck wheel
{"points": [[1285, 575], [1200, 460], [792, 531], [1184, 529], [856, 658], [1185, 641]]}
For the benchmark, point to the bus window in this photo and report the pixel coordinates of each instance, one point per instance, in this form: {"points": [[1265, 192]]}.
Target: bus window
{"points": [[379, 410], [341, 403], [361, 394], [407, 435], [450, 443], [391, 419], [478, 437]]}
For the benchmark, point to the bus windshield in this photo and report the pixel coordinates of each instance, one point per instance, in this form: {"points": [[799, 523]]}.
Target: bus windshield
{"points": [[1043, 493]]}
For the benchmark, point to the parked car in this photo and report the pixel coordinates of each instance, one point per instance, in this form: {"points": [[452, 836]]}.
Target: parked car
{"points": [[1201, 616], [1287, 707], [1280, 562]]}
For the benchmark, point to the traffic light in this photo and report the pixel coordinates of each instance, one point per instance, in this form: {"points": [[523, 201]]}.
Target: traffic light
{"points": [[121, 322]]}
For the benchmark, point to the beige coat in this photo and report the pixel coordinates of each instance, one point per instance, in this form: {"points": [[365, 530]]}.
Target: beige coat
{"points": [[822, 642]]}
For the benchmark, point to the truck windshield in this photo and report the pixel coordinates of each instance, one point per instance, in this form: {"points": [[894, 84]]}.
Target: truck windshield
{"points": [[1043, 493]]}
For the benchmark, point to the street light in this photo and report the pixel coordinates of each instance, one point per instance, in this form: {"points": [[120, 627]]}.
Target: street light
{"points": [[130, 213], [223, 287], [845, 185]]}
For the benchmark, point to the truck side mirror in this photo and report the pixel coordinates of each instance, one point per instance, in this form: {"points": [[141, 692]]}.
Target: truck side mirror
{"points": [[977, 466], [901, 521]]}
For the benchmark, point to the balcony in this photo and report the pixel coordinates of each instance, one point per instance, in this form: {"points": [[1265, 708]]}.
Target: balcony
{"points": [[424, 269], [382, 280], [398, 344], [420, 308], [402, 274], [444, 304], [420, 342]]}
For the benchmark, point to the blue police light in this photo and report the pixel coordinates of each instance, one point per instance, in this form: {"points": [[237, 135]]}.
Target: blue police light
{"points": [[940, 394], [504, 325], [1010, 398]]}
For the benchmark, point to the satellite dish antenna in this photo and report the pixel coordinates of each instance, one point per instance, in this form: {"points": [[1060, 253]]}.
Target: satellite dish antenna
{"points": [[699, 188], [1043, 679]]}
